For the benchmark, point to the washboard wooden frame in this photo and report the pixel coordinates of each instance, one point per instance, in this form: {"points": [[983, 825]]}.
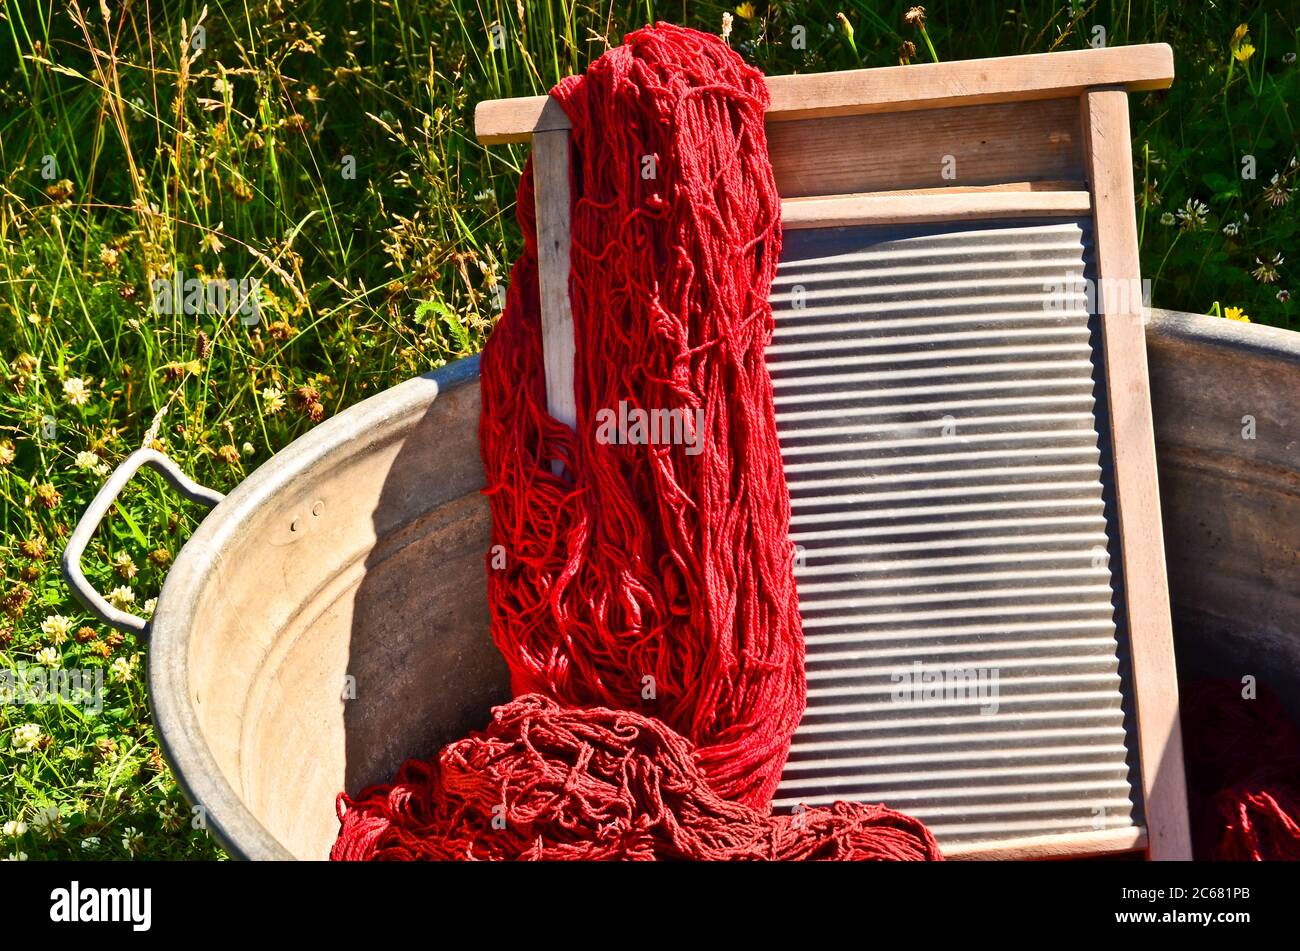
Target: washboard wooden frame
{"points": [[1042, 136]]}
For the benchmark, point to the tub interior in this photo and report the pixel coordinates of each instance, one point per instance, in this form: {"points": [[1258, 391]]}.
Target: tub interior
{"points": [[1228, 450], [345, 628]]}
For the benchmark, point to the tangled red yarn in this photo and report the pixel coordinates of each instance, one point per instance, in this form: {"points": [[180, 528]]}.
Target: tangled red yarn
{"points": [[647, 610], [544, 782], [649, 562], [1243, 773]]}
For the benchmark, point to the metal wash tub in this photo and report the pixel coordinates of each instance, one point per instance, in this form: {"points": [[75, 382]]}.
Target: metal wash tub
{"points": [[328, 618]]}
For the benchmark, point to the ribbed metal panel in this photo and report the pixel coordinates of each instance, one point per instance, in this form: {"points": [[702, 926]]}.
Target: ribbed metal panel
{"points": [[948, 470]]}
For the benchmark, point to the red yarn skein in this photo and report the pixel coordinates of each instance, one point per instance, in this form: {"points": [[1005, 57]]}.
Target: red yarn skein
{"points": [[546, 783], [654, 561]]}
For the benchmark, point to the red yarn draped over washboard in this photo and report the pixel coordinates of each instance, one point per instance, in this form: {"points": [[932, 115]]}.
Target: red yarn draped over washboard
{"points": [[652, 562], [647, 606]]}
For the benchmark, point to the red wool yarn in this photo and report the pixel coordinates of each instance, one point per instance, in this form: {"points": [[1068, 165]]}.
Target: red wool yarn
{"points": [[1243, 773], [649, 578], [545, 783], [647, 610]]}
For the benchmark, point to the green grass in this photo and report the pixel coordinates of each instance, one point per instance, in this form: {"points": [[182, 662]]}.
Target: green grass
{"points": [[129, 149]]}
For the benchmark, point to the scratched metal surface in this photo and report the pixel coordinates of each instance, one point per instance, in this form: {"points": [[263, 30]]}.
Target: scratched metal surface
{"points": [[944, 440]]}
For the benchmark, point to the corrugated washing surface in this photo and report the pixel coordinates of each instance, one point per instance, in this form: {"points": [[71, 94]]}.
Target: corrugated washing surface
{"points": [[941, 411]]}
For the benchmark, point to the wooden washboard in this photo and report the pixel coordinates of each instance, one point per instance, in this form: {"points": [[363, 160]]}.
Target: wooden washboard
{"points": [[971, 465]]}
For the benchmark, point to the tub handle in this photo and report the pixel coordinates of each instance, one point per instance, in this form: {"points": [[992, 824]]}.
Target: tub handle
{"points": [[94, 514]]}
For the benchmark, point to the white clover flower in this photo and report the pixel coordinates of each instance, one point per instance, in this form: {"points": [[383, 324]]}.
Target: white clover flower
{"points": [[121, 670], [150, 606], [1232, 228], [16, 857], [171, 816], [14, 828], [121, 597], [48, 821], [1277, 193], [132, 839], [124, 565], [48, 657], [56, 628], [87, 460], [26, 737], [1266, 272], [1193, 214], [272, 401], [75, 391], [1167, 218], [90, 843]]}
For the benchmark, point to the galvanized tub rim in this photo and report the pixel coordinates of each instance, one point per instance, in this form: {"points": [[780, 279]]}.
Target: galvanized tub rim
{"points": [[174, 622]]}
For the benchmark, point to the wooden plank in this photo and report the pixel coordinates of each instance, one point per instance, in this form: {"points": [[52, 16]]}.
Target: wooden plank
{"points": [[499, 121], [897, 88], [835, 211], [967, 82], [968, 145], [1029, 186], [552, 196], [1073, 845], [1155, 686]]}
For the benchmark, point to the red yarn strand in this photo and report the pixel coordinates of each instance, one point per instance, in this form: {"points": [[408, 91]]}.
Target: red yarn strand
{"points": [[1243, 773], [649, 561], [546, 783]]}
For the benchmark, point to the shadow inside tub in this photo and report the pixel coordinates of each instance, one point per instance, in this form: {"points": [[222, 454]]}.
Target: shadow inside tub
{"points": [[426, 671]]}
